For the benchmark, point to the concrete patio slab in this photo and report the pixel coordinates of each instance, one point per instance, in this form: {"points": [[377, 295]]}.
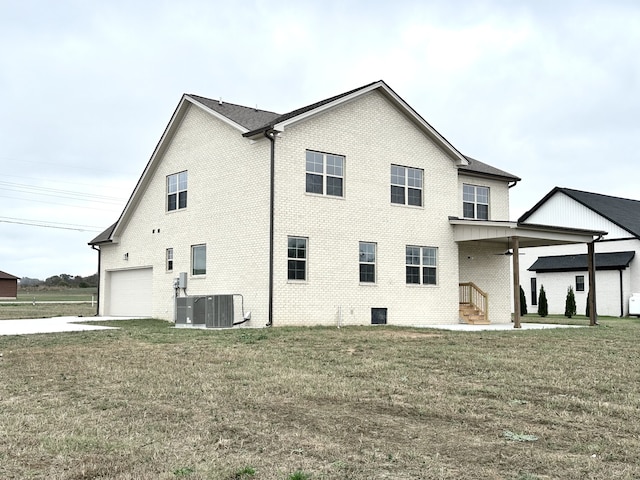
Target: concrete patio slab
{"points": [[53, 325]]}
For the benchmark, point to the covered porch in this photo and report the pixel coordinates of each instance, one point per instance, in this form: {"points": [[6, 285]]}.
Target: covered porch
{"points": [[488, 249]]}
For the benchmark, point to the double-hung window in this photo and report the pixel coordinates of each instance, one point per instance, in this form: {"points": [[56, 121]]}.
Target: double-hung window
{"points": [[296, 258], [325, 174], [169, 259], [421, 265], [579, 283], [475, 202], [177, 191], [198, 260], [367, 262], [406, 185]]}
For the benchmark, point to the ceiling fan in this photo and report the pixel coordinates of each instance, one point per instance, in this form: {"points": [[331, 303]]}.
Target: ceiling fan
{"points": [[508, 252]]}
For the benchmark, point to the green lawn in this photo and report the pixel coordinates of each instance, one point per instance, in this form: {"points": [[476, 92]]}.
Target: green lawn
{"points": [[149, 401]]}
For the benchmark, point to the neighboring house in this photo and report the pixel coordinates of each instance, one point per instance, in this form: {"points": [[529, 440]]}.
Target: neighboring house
{"points": [[352, 210], [8, 286], [559, 267]]}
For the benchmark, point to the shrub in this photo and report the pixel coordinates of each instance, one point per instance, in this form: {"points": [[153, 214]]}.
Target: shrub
{"points": [[543, 307], [523, 302], [570, 303]]}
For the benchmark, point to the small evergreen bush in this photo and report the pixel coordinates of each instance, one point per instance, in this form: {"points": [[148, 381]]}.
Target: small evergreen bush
{"points": [[523, 302], [543, 307], [570, 303]]}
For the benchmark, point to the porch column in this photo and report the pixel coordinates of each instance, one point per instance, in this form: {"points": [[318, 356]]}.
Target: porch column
{"points": [[516, 282], [591, 265]]}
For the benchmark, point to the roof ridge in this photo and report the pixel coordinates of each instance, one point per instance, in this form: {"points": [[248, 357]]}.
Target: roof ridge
{"points": [[566, 189]]}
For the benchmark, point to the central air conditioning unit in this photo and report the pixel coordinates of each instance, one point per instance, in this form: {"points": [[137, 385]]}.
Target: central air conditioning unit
{"points": [[210, 311], [634, 304]]}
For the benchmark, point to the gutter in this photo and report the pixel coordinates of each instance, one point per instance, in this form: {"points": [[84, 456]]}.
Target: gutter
{"points": [[271, 135]]}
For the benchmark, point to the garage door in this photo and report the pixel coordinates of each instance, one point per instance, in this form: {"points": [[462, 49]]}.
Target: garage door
{"points": [[129, 292]]}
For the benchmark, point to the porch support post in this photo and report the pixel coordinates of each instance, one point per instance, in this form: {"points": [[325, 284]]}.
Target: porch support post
{"points": [[591, 265], [516, 282]]}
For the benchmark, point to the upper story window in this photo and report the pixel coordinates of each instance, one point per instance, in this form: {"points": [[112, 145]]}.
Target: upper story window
{"points": [[406, 185], [198, 260], [325, 173], [297, 258], [169, 259], [177, 191], [475, 202], [367, 260], [421, 265]]}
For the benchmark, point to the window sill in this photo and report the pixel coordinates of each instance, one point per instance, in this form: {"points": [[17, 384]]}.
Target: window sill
{"points": [[368, 284], [323, 195], [401, 205]]}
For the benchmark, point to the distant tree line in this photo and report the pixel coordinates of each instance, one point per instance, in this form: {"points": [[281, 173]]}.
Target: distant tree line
{"points": [[62, 280]]}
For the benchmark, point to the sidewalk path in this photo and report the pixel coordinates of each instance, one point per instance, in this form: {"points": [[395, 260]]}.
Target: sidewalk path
{"points": [[52, 325]]}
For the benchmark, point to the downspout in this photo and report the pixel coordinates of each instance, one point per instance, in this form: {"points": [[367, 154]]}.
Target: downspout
{"points": [[98, 291], [621, 296], [271, 135]]}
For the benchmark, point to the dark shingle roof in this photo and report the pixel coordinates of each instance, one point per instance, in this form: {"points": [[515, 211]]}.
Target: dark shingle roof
{"points": [[249, 118], [104, 236], [308, 108], [476, 167], [574, 263], [622, 211], [7, 276]]}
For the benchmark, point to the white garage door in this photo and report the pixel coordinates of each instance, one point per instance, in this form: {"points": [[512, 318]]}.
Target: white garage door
{"points": [[129, 292]]}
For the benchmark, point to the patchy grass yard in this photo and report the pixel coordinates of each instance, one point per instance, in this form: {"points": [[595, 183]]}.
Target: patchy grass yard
{"points": [[152, 402]]}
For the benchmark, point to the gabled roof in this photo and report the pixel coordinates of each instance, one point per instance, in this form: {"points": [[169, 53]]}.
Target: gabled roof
{"points": [[7, 276], [623, 212], [478, 168], [577, 263], [252, 122]]}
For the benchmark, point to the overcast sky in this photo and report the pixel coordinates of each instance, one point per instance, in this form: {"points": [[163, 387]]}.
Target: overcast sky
{"points": [[546, 90]]}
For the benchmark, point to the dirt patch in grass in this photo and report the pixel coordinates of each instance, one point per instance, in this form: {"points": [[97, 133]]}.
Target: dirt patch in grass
{"points": [[152, 402]]}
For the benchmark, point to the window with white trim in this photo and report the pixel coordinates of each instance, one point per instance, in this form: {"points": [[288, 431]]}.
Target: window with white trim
{"points": [[169, 259], [177, 191], [198, 259], [367, 259], [406, 185], [475, 202], [325, 173], [421, 265], [296, 258]]}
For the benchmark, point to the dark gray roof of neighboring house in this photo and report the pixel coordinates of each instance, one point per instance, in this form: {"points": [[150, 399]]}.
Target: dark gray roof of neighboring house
{"points": [[575, 263], [624, 212], [476, 167], [7, 276], [104, 236], [249, 118]]}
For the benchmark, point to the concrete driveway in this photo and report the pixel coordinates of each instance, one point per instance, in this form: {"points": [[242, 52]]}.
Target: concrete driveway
{"points": [[54, 324]]}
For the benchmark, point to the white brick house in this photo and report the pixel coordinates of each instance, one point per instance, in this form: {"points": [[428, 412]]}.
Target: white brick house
{"points": [[617, 253], [349, 211]]}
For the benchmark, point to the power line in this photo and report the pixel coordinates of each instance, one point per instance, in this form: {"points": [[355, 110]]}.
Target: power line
{"points": [[59, 193], [43, 224], [57, 203]]}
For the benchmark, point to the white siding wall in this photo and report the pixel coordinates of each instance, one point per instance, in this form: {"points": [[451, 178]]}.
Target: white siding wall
{"points": [[563, 211], [227, 209], [372, 135], [607, 283]]}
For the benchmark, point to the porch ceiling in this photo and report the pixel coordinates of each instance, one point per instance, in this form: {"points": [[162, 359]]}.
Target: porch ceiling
{"points": [[529, 235]]}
